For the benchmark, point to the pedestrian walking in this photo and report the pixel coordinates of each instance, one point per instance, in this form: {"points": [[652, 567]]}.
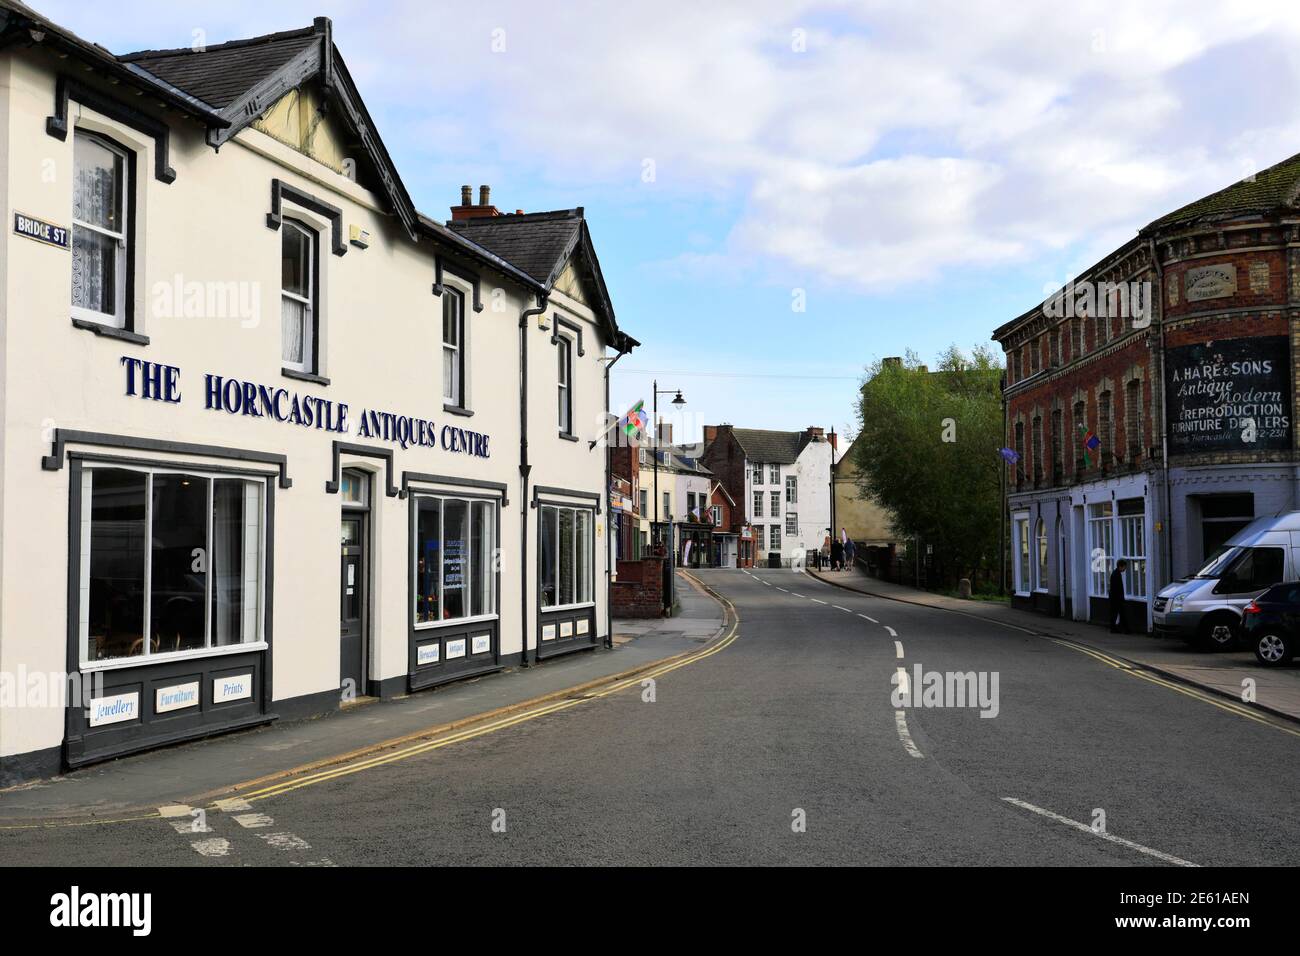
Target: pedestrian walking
{"points": [[837, 555], [1118, 621], [850, 553]]}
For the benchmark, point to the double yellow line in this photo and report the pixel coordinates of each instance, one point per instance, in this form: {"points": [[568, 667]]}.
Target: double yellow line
{"points": [[415, 750], [1151, 677]]}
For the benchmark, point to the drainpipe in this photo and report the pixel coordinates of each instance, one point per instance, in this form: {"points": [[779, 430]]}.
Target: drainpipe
{"points": [[1164, 423], [609, 512], [524, 469]]}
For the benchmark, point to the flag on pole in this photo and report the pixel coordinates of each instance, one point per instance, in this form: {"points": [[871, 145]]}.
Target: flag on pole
{"points": [[1011, 455], [635, 420], [1090, 443]]}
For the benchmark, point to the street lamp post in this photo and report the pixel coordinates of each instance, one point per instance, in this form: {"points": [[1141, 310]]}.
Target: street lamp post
{"points": [[678, 401]]}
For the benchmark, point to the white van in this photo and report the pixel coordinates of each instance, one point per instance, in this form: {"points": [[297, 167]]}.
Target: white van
{"points": [[1205, 609]]}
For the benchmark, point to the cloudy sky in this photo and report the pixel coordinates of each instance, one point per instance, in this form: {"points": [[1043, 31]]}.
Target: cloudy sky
{"points": [[909, 174]]}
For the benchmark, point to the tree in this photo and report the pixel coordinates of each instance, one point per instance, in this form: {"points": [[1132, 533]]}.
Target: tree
{"points": [[929, 453]]}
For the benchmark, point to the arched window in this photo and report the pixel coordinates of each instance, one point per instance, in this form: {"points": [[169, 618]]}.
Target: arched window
{"points": [[1040, 540]]}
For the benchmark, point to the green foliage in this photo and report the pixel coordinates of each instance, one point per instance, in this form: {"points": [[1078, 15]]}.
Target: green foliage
{"points": [[946, 492]]}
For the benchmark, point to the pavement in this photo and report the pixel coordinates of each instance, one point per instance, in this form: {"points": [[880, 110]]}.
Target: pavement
{"points": [[781, 742], [1277, 689], [204, 768]]}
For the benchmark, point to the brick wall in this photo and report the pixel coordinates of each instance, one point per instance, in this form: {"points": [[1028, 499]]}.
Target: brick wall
{"points": [[724, 458], [639, 590]]}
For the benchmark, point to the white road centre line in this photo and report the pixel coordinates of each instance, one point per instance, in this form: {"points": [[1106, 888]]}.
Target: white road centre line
{"points": [[898, 649], [892, 632], [783, 590], [871, 619], [1168, 858], [793, 594], [844, 609], [818, 600], [905, 735]]}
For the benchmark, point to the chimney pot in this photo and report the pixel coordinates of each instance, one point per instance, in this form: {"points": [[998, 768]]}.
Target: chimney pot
{"points": [[484, 195], [466, 195]]}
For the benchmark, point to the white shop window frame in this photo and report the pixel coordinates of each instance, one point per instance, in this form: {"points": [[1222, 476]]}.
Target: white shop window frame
{"points": [[1040, 555], [542, 508], [124, 254], [493, 590], [83, 576], [1019, 548]]}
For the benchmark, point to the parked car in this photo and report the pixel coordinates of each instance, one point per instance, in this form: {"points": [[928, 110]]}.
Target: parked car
{"points": [[1206, 609], [1271, 624]]}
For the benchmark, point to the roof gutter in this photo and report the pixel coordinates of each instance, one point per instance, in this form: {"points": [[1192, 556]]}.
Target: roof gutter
{"points": [[44, 32]]}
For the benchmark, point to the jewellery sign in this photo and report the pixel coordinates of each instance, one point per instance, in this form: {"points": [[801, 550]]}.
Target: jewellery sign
{"points": [[1230, 395]]}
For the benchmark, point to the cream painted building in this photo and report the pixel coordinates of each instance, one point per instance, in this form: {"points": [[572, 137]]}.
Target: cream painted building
{"points": [[272, 439]]}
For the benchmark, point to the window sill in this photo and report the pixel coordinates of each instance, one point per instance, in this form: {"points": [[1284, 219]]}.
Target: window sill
{"points": [[457, 410], [304, 376], [108, 331], [562, 608], [568, 437], [457, 621], [119, 663]]}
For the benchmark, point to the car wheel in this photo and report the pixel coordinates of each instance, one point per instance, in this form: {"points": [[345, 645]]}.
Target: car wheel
{"points": [[1273, 649], [1218, 633]]}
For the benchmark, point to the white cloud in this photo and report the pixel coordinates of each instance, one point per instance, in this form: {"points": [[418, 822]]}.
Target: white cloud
{"points": [[907, 140]]}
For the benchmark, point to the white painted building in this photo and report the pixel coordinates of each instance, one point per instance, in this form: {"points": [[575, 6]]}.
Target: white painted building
{"points": [[781, 482], [271, 437]]}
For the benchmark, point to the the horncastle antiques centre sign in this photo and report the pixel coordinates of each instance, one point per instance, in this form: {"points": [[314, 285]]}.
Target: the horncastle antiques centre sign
{"points": [[1230, 395]]}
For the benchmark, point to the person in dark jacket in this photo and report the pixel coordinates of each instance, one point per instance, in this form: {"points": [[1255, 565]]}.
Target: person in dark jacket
{"points": [[1118, 622], [837, 555]]}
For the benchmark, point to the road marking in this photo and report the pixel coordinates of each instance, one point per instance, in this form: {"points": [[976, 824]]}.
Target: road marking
{"points": [[231, 804], [898, 649], [213, 847], [285, 841], [844, 609], [783, 590], [1159, 855], [871, 619], [902, 680], [174, 810], [900, 721], [254, 821], [768, 583], [892, 632], [818, 600], [796, 595], [378, 760]]}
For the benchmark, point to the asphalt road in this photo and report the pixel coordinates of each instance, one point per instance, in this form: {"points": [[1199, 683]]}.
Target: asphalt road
{"points": [[791, 722]]}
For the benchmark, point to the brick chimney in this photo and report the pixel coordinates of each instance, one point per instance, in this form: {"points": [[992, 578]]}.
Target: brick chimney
{"points": [[467, 209], [815, 433], [665, 433], [710, 433]]}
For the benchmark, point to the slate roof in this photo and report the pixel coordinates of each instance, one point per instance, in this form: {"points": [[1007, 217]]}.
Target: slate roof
{"points": [[1274, 188], [221, 74], [771, 447], [684, 458], [537, 242]]}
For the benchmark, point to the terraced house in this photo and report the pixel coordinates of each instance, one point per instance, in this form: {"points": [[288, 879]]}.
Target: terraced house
{"points": [[1152, 400], [273, 439]]}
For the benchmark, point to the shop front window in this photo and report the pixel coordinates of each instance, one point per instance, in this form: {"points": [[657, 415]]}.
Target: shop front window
{"points": [[171, 562], [455, 542], [1101, 547], [567, 548], [1020, 541]]}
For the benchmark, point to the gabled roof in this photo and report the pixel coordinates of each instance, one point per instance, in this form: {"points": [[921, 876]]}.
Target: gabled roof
{"points": [[542, 244], [771, 447], [244, 78], [221, 74], [20, 24], [1274, 188]]}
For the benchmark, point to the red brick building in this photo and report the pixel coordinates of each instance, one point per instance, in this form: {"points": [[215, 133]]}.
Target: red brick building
{"points": [[1177, 352]]}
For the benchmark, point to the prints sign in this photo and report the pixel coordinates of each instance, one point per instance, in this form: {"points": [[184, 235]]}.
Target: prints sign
{"points": [[1211, 282], [1230, 395], [239, 687]]}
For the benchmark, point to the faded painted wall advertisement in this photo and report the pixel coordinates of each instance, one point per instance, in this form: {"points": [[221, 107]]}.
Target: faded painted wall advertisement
{"points": [[1230, 395]]}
